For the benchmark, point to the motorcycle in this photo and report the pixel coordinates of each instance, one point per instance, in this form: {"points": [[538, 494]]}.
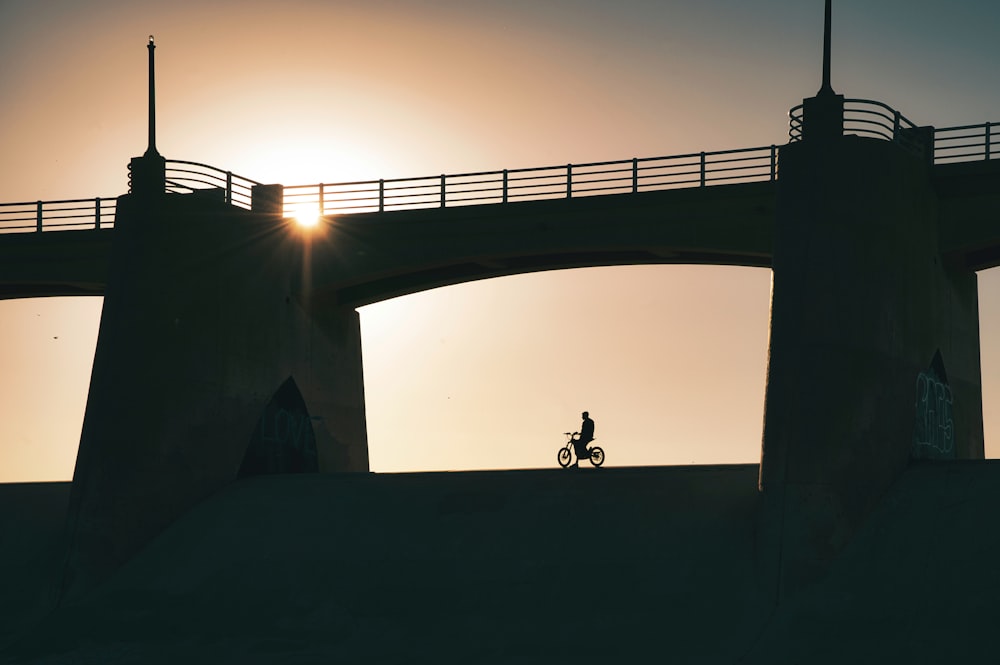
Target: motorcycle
{"points": [[594, 453]]}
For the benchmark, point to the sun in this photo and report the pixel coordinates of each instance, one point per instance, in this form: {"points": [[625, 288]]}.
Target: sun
{"points": [[306, 216]]}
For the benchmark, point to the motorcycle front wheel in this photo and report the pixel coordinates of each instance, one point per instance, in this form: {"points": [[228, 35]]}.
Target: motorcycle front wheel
{"points": [[564, 457], [597, 456]]}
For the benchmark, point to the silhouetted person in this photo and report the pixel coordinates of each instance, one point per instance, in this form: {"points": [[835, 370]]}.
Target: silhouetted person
{"points": [[586, 436]]}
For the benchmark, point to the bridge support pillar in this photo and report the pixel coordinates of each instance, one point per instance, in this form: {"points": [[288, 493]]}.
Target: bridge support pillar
{"points": [[212, 361], [874, 344]]}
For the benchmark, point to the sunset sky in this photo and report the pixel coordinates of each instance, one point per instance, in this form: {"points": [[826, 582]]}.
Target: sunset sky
{"points": [[669, 360]]}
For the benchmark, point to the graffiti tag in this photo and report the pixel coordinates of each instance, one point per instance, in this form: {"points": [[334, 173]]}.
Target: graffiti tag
{"points": [[934, 427], [284, 427]]}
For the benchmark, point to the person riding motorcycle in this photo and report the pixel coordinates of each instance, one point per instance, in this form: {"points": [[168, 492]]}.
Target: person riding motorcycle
{"points": [[586, 435]]}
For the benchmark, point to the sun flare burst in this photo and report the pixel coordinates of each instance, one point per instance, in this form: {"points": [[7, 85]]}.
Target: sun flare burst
{"points": [[306, 216]]}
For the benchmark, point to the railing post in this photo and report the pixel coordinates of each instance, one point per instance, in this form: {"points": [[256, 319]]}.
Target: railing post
{"points": [[381, 195], [895, 125], [702, 170], [229, 188], [505, 185], [97, 212], [569, 181], [38, 217], [988, 124], [774, 161], [322, 202], [442, 191], [635, 175]]}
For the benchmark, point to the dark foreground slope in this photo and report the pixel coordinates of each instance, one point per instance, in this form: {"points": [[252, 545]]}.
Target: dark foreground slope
{"points": [[521, 566], [613, 565], [32, 523], [920, 582]]}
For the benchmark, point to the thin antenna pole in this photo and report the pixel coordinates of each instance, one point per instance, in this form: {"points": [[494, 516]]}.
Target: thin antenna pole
{"points": [[151, 149], [826, 87]]}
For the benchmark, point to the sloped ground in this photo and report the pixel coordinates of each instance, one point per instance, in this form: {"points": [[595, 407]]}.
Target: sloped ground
{"points": [[920, 583], [32, 523], [545, 566], [479, 568]]}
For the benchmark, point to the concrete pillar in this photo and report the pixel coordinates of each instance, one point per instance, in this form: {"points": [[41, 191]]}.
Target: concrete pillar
{"points": [[267, 199], [148, 176], [823, 117], [206, 317], [861, 305]]}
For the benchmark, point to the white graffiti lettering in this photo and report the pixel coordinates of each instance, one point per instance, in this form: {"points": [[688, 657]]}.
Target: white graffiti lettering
{"points": [[934, 426]]}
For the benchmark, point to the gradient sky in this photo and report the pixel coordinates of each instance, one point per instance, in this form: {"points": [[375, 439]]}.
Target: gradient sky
{"points": [[669, 360]]}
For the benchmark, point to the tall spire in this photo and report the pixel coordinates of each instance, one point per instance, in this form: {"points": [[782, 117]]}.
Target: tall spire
{"points": [[151, 149], [826, 88]]}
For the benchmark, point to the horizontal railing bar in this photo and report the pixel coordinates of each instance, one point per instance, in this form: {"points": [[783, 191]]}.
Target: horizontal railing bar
{"points": [[76, 216], [212, 168], [964, 154], [960, 127], [670, 183], [977, 135], [406, 188], [664, 169], [765, 159], [420, 205], [616, 188], [958, 146], [181, 183], [540, 196], [465, 199], [91, 200], [465, 183]]}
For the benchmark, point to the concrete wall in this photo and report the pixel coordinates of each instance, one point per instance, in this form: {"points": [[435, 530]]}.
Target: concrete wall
{"points": [[204, 320], [862, 303]]}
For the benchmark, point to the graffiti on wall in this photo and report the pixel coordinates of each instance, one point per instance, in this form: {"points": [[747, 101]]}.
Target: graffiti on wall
{"points": [[934, 429], [283, 440]]}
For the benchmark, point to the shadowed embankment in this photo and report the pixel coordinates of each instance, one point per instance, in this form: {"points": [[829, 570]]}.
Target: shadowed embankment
{"points": [[543, 566], [519, 566]]}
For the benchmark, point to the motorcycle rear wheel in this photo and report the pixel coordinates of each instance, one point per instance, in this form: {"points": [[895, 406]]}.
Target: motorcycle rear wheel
{"points": [[597, 456]]}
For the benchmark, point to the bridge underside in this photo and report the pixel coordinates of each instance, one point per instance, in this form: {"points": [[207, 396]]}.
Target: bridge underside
{"points": [[361, 259], [58, 263], [970, 213]]}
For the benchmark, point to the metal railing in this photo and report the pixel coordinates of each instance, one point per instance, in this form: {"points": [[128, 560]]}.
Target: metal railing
{"points": [[868, 118], [967, 143], [532, 184], [862, 117], [184, 177], [67, 214]]}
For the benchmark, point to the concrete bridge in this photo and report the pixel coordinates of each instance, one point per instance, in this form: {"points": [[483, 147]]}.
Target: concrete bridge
{"points": [[229, 343], [230, 346]]}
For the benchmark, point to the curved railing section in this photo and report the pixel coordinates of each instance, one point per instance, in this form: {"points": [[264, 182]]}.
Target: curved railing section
{"points": [[184, 177], [533, 184], [967, 143], [862, 117], [63, 215]]}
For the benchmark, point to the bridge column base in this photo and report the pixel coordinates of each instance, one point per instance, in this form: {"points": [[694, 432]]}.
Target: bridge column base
{"points": [[874, 344], [204, 322]]}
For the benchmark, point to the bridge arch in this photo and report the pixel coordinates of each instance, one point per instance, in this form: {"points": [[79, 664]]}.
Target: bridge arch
{"points": [[494, 389]]}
